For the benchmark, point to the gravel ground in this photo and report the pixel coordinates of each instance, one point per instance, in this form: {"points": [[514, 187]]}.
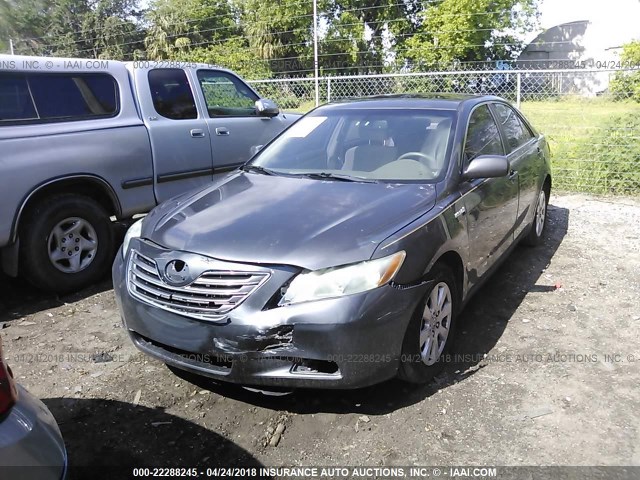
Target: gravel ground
{"points": [[547, 373]]}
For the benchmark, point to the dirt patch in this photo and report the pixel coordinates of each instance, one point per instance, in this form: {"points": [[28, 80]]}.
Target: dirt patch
{"points": [[546, 373]]}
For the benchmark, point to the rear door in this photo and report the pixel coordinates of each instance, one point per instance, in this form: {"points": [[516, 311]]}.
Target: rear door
{"points": [[178, 132], [491, 204], [523, 153], [232, 121]]}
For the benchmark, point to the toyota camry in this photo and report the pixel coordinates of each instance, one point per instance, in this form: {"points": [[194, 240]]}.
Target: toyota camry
{"points": [[341, 254]]}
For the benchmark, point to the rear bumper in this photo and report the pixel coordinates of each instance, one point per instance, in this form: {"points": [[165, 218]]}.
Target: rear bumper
{"points": [[347, 342], [31, 446]]}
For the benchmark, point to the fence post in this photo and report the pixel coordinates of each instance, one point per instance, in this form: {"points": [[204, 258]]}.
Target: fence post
{"points": [[518, 89], [328, 89]]}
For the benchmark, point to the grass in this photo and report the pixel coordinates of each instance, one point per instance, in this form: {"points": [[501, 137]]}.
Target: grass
{"points": [[595, 143]]}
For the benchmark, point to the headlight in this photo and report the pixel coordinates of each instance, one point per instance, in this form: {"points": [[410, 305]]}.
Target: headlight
{"points": [[339, 281], [134, 231]]}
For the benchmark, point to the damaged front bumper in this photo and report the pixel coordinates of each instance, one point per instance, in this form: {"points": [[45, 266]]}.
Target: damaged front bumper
{"points": [[347, 342]]}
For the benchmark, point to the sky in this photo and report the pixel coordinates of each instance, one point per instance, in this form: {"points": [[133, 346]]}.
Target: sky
{"points": [[613, 22]]}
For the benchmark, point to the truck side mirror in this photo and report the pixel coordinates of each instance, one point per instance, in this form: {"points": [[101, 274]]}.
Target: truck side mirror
{"points": [[255, 149], [266, 108]]}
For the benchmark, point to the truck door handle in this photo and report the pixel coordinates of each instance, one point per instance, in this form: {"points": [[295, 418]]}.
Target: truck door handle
{"points": [[222, 131], [197, 133], [513, 174]]}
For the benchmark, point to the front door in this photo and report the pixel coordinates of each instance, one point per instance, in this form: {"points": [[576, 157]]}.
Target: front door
{"points": [[525, 157], [233, 124], [491, 204], [179, 135]]}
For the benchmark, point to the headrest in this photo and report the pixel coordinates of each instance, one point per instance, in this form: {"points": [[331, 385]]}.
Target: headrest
{"points": [[373, 130]]}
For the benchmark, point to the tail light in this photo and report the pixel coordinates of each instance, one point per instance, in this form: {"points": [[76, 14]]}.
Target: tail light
{"points": [[8, 392]]}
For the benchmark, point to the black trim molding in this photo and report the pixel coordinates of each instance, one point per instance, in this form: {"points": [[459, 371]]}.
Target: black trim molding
{"points": [[136, 182], [171, 177]]}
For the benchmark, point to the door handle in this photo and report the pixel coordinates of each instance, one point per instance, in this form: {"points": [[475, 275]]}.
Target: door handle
{"points": [[222, 131], [197, 133], [513, 174]]}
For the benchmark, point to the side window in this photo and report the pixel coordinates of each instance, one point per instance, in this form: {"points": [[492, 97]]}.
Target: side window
{"points": [[64, 96], [226, 95], [57, 97], [171, 94], [15, 99], [516, 132], [483, 137]]}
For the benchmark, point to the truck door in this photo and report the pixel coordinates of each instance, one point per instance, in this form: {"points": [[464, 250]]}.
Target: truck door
{"points": [[233, 124], [178, 132]]}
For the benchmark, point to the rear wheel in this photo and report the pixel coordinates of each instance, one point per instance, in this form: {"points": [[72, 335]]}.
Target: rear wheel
{"points": [[534, 237], [430, 333], [66, 243]]}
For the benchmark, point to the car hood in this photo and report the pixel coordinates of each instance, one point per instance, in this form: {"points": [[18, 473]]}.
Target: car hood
{"points": [[261, 219]]}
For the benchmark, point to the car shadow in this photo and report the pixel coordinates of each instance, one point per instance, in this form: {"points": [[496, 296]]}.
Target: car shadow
{"points": [[480, 326], [105, 438], [19, 298]]}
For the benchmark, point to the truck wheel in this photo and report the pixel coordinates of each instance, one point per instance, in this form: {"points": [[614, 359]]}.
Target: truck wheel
{"points": [[431, 331], [66, 243]]}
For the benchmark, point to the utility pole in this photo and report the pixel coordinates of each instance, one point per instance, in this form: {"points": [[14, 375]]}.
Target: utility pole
{"points": [[11, 46], [315, 49]]}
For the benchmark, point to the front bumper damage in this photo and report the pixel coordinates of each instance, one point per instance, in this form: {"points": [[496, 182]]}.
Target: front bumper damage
{"points": [[347, 342]]}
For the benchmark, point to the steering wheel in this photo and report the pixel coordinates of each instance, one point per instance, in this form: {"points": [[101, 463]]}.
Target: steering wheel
{"points": [[429, 160]]}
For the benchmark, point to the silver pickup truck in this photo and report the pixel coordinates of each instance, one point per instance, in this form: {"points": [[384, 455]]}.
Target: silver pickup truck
{"points": [[82, 141]]}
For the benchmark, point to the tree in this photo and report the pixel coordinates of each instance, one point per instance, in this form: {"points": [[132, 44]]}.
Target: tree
{"points": [[469, 30], [24, 21], [77, 28], [626, 84], [234, 54], [175, 27], [280, 32], [369, 32]]}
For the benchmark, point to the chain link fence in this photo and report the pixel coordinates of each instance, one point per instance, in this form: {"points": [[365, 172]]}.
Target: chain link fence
{"points": [[592, 127]]}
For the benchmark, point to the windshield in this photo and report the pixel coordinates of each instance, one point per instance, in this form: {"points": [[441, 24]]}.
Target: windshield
{"points": [[352, 144]]}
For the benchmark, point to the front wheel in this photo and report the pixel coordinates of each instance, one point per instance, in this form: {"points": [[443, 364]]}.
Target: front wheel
{"points": [[430, 333], [66, 243]]}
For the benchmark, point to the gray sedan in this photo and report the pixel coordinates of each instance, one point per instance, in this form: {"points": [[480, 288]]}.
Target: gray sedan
{"points": [[31, 446], [342, 253]]}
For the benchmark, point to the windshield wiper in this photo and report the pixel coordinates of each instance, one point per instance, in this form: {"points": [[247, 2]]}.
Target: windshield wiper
{"points": [[257, 169], [338, 176]]}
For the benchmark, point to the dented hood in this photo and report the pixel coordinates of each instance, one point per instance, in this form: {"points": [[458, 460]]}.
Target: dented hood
{"points": [[309, 223]]}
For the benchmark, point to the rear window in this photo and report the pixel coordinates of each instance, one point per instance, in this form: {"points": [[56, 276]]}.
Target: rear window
{"points": [[15, 99], [57, 97]]}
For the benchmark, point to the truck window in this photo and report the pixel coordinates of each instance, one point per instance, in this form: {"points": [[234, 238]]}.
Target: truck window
{"points": [[171, 93], [51, 97], [73, 96], [15, 100], [226, 95]]}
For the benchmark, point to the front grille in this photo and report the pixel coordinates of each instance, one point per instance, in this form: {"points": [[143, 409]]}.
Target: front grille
{"points": [[213, 294]]}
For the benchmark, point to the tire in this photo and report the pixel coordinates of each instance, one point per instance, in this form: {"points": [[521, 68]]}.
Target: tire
{"points": [[58, 226], [536, 232], [417, 363]]}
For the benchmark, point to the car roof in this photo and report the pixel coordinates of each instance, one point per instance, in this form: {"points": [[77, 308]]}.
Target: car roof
{"points": [[441, 101]]}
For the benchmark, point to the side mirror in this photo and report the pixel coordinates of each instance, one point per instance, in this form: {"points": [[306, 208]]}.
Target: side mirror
{"points": [[266, 108], [487, 166]]}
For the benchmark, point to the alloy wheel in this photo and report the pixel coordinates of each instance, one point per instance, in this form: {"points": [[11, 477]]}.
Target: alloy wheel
{"points": [[72, 245], [436, 323]]}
